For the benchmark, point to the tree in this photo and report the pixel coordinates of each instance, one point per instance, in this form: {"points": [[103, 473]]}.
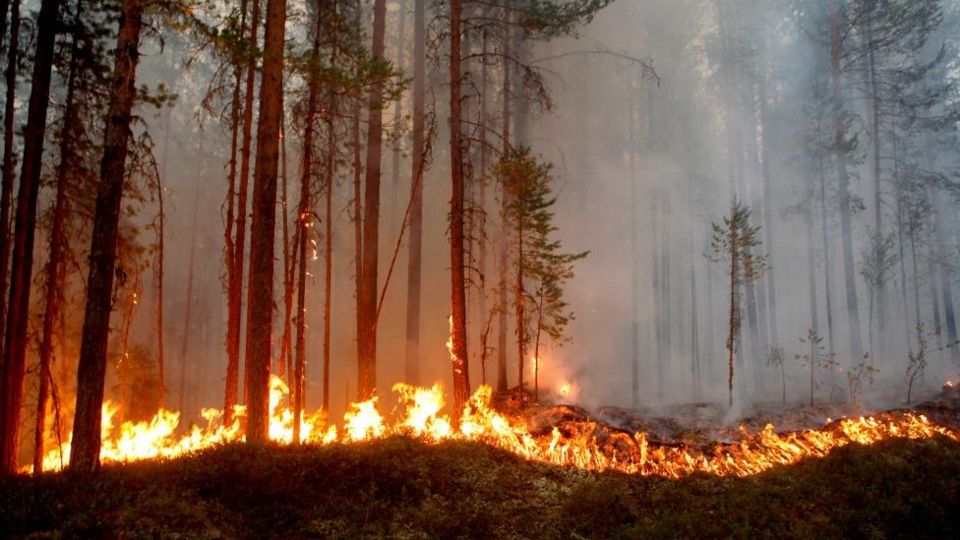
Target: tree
{"points": [[85, 453], [816, 357], [458, 325], [6, 185], [541, 267], [411, 370], [367, 332], [733, 245], [15, 344], [260, 303]]}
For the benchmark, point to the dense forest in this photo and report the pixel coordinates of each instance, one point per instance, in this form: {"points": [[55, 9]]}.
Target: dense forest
{"points": [[628, 203]]}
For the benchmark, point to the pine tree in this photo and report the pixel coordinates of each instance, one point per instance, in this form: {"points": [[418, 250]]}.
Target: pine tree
{"points": [[734, 244]]}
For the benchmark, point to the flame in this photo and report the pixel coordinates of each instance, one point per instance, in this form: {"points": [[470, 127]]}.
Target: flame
{"points": [[421, 417], [565, 389]]}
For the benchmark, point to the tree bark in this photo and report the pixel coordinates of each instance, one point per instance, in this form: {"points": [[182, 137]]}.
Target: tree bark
{"points": [[85, 453], [54, 271], [502, 383], [235, 302], [15, 346], [260, 302], [846, 226], [411, 369], [460, 360], [367, 332], [6, 187]]}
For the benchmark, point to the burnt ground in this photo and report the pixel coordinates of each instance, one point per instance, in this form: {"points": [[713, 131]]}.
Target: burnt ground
{"points": [[402, 488]]}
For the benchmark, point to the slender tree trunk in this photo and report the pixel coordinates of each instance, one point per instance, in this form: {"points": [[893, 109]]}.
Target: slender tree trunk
{"points": [[367, 364], [235, 302], [825, 231], [285, 361], [811, 264], [846, 226], [328, 249], [260, 303], [771, 285], [188, 302], [881, 280], [161, 218], [502, 383], [414, 266], [460, 360], [481, 202], [54, 271], [358, 206], [6, 187], [733, 321], [518, 305], [400, 49], [85, 453], [15, 347], [634, 251], [945, 274], [304, 222]]}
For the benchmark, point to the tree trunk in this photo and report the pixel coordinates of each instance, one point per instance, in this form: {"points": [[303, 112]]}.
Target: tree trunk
{"points": [[733, 322], [458, 300], [304, 220], [825, 231], [6, 188], [285, 360], [518, 305], [54, 271], [15, 347], [235, 302], [260, 302], [367, 332], [502, 383], [400, 49], [880, 293], [188, 303], [411, 369], [846, 213], [85, 453]]}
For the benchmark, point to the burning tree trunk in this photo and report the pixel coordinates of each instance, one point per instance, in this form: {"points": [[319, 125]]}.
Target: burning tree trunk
{"points": [[367, 332], [85, 453], [461, 371], [6, 187], [411, 369], [15, 347], [260, 304], [235, 302]]}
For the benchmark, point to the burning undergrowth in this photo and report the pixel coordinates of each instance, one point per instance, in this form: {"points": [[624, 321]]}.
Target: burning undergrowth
{"points": [[565, 435]]}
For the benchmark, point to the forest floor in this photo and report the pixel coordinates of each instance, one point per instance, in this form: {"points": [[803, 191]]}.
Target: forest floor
{"points": [[402, 488]]}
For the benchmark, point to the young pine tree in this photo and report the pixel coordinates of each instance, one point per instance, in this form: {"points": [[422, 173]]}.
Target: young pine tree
{"points": [[541, 267], [733, 244]]}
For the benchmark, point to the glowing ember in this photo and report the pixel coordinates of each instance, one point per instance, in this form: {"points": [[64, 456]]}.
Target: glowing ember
{"points": [[421, 417], [565, 389]]}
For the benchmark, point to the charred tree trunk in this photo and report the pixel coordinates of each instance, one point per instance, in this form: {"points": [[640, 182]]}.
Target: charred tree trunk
{"points": [[411, 369], [260, 303], [6, 187], [15, 346], [460, 360], [367, 332], [85, 453]]}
